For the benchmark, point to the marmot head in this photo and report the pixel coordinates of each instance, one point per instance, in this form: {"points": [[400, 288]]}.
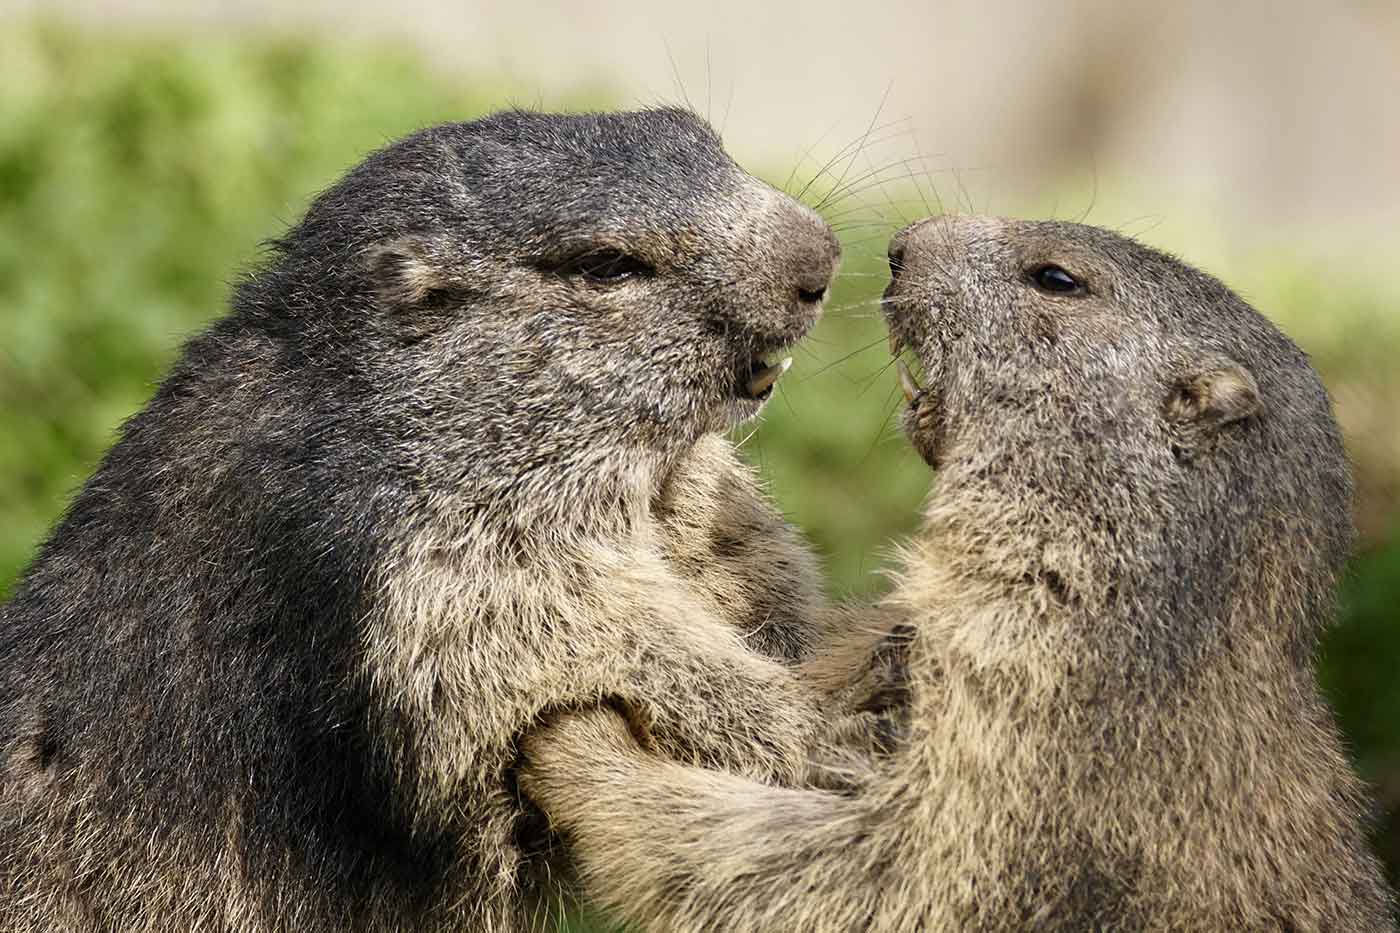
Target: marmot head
{"points": [[533, 294], [1114, 428]]}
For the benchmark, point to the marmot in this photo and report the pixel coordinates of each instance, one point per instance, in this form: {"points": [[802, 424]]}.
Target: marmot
{"points": [[436, 473], [1141, 509]]}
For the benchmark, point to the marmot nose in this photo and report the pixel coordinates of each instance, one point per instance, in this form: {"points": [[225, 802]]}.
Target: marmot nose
{"points": [[941, 237], [815, 262], [897, 246], [812, 288]]}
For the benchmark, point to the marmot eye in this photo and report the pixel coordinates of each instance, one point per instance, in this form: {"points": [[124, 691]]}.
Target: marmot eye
{"points": [[606, 265], [1051, 278]]}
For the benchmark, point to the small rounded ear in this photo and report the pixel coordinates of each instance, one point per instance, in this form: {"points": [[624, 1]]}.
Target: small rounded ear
{"points": [[1214, 396], [404, 270]]}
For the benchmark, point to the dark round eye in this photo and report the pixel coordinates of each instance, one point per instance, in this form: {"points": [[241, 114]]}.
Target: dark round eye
{"points": [[606, 265], [1051, 278]]}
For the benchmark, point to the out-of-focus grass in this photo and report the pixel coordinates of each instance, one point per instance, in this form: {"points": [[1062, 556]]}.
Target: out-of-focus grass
{"points": [[138, 177]]}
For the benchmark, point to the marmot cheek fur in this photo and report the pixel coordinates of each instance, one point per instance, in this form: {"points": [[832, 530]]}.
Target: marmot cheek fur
{"points": [[1142, 507], [270, 670]]}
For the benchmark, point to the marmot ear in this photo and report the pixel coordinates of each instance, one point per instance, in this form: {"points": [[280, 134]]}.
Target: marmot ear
{"points": [[1213, 396], [404, 270]]}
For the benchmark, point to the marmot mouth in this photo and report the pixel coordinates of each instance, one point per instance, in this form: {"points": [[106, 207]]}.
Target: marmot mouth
{"points": [[923, 410], [756, 381], [908, 384]]}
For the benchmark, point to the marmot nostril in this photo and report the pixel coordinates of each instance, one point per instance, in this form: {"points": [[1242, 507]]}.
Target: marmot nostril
{"points": [[811, 255], [813, 277], [896, 257]]}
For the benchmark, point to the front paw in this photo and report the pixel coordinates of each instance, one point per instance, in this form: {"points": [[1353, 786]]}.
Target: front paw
{"points": [[847, 754], [573, 748], [732, 546]]}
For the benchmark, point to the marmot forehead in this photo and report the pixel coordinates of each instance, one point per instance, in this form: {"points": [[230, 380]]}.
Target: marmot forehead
{"points": [[973, 266], [672, 154], [514, 178], [661, 135], [609, 164], [1006, 248]]}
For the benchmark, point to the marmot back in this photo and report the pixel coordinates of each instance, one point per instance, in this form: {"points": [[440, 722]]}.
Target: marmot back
{"points": [[1142, 507], [269, 671]]}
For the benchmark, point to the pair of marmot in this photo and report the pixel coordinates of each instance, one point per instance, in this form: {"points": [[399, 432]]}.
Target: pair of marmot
{"points": [[451, 467]]}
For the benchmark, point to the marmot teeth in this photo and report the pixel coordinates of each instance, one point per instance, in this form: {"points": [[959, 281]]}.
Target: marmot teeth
{"points": [[907, 382], [896, 344], [761, 380]]}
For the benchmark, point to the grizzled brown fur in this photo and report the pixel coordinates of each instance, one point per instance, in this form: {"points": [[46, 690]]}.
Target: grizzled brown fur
{"points": [[433, 475], [1141, 510]]}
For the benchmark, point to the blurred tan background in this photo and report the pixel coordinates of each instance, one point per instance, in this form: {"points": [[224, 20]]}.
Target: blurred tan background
{"points": [[1281, 114]]}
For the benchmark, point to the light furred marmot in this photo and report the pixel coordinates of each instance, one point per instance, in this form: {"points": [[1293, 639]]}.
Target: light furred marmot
{"points": [[1142, 507], [436, 473]]}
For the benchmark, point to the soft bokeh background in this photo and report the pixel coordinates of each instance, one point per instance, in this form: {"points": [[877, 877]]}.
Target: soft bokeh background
{"points": [[145, 152]]}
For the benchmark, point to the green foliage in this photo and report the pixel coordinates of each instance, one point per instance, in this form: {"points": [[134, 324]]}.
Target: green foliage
{"points": [[830, 444], [1360, 664], [136, 180], [138, 177]]}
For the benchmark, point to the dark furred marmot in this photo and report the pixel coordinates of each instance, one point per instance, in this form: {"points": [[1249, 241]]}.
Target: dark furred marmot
{"points": [[436, 472], [1141, 511]]}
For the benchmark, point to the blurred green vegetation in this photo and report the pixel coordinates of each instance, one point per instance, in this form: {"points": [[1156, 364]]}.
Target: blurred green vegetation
{"points": [[137, 177]]}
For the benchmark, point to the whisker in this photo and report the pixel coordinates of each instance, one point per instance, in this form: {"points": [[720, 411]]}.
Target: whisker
{"points": [[888, 198], [857, 224], [873, 120], [918, 187], [827, 172], [874, 172], [880, 434], [838, 362], [841, 153], [910, 176], [747, 437], [851, 305], [849, 244], [806, 153], [825, 169], [782, 393], [676, 74], [876, 209], [867, 181], [709, 74], [729, 102], [1093, 194]]}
